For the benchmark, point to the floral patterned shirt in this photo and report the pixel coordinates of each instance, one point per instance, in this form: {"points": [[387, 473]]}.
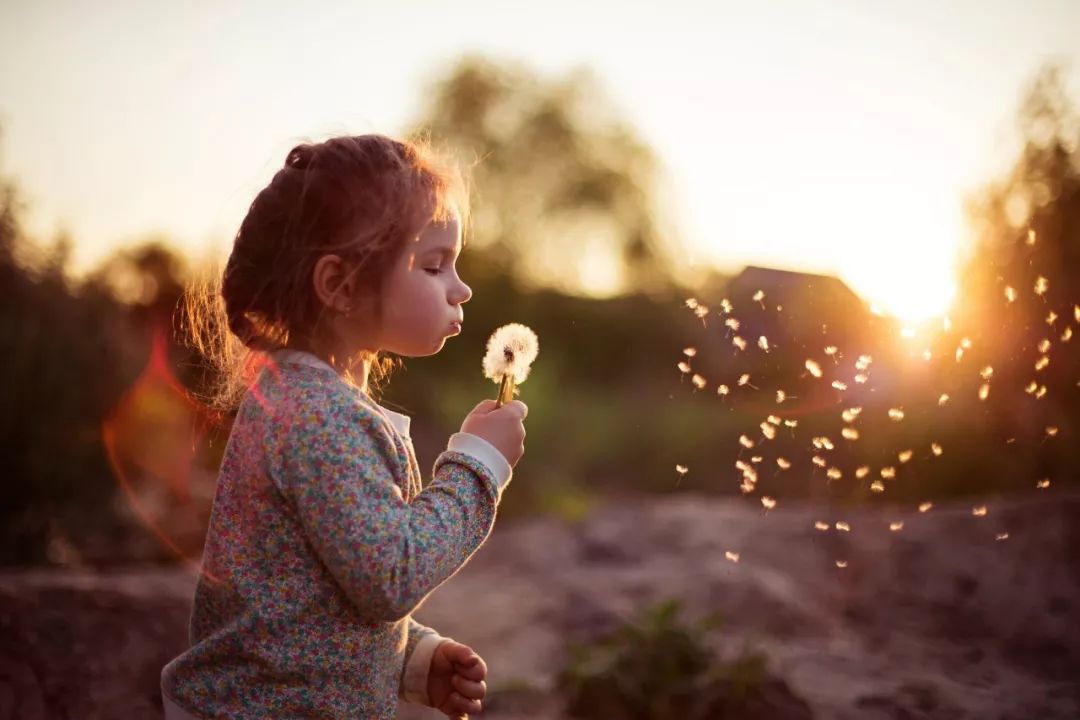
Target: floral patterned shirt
{"points": [[322, 543]]}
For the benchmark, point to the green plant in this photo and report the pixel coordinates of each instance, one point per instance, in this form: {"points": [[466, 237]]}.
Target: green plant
{"points": [[657, 667]]}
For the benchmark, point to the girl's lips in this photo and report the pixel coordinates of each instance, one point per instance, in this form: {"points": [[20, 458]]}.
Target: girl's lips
{"points": [[455, 327]]}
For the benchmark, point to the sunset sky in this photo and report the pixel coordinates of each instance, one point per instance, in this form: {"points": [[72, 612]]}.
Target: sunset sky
{"points": [[833, 136]]}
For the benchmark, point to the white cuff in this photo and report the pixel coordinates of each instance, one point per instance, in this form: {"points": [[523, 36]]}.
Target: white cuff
{"points": [[485, 452], [414, 684]]}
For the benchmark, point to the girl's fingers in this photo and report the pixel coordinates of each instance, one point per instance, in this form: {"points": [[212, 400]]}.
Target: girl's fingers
{"points": [[462, 704], [469, 688]]}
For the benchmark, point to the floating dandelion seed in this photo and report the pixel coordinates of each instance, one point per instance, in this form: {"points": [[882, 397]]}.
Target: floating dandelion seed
{"points": [[725, 305], [946, 324], [756, 459], [841, 564], [814, 368], [896, 414], [1031, 387], [1041, 285], [1067, 335], [1044, 345], [821, 526], [827, 443], [689, 352], [861, 378], [732, 556], [1042, 391], [768, 430], [834, 473], [1010, 294], [1051, 430], [862, 472], [965, 343], [959, 354], [1051, 318], [732, 323], [863, 362], [850, 433], [692, 303], [681, 469], [763, 343], [1043, 484], [925, 507], [839, 385], [780, 396], [699, 382], [877, 486], [738, 342], [1002, 536], [943, 399], [701, 312], [791, 423], [684, 367], [511, 350], [888, 473], [774, 420], [1076, 313], [768, 502], [758, 297], [987, 372], [850, 414], [843, 526], [722, 390], [904, 456], [747, 487], [819, 461], [896, 526], [979, 511], [744, 379], [831, 351], [1041, 363], [984, 391], [784, 464], [927, 355], [1031, 237], [746, 442], [936, 449]]}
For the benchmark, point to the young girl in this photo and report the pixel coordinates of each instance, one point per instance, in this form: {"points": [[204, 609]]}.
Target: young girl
{"points": [[322, 541]]}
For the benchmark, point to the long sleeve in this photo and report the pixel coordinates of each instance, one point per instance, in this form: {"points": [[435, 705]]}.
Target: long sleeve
{"points": [[337, 468], [419, 650]]}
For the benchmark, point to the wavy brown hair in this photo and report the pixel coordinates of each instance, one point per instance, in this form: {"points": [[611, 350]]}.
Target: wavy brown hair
{"points": [[359, 197]]}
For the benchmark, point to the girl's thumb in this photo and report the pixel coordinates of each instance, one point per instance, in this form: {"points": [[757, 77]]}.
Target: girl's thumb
{"points": [[485, 406]]}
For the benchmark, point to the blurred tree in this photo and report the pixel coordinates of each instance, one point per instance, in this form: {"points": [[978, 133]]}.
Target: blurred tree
{"points": [[566, 193]]}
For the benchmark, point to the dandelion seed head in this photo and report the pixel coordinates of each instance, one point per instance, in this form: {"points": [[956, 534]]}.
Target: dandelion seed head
{"points": [[746, 442], [738, 342], [821, 526], [834, 473], [732, 556], [722, 390], [850, 433], [830, 350], [877, 486], [791, 423], [780, 396], [925, 507], [814, 368], [943, 399], [849, 415], [763, 343], [987, 372], [1051, 318], [979, 511], [725, 305], [888, 473], [1031, 387], [769, 431], [681, 469], [511, 350], [843, 526], [768, 502], [839, 385], [984, 391], [732, 323], [896, 414], [1041, 285], [1041, 363], [684, 367], [1041, 392], [861, 378], [701, 311], [783, 463], [744, 379], [819, 461], [774, 420], [691, 303], [936, 449], [759, 296], [689, 352], [699, 381], [896, 526], [862, 471], [905, 456]]}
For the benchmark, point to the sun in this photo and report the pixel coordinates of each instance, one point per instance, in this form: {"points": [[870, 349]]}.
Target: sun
{"points": [[913, 293]]}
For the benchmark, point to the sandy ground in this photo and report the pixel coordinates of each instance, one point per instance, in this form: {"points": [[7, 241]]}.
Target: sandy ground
{"points": [[939, 619]]}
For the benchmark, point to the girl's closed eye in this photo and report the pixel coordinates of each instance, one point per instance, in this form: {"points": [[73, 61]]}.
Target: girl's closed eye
{"points": [[433, 271]]}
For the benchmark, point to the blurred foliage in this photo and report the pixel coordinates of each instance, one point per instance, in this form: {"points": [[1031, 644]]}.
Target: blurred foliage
{"points": [[610, 413], [562, 184], [659, 668]]}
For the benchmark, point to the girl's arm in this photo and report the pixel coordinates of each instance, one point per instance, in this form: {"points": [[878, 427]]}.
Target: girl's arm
{"points": [[386, 554]]}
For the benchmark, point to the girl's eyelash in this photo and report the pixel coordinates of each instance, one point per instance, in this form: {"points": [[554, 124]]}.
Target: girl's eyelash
{"points": [[433, 271]]}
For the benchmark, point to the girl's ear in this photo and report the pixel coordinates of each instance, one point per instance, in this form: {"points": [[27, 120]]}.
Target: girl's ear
{"points": [[333, 284]]}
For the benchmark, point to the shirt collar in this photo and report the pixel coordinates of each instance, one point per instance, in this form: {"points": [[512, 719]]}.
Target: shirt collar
{"points": [[400, 422]]}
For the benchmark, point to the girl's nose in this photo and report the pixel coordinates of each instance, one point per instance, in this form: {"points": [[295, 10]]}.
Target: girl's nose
{"points": [[463, 293]]}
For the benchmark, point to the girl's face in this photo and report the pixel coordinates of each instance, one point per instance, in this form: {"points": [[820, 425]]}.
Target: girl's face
{"points": [[423, 295]]}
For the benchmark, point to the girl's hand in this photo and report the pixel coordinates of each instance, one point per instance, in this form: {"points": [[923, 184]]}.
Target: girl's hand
{"points": [[503, 427], [456, 684]]}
